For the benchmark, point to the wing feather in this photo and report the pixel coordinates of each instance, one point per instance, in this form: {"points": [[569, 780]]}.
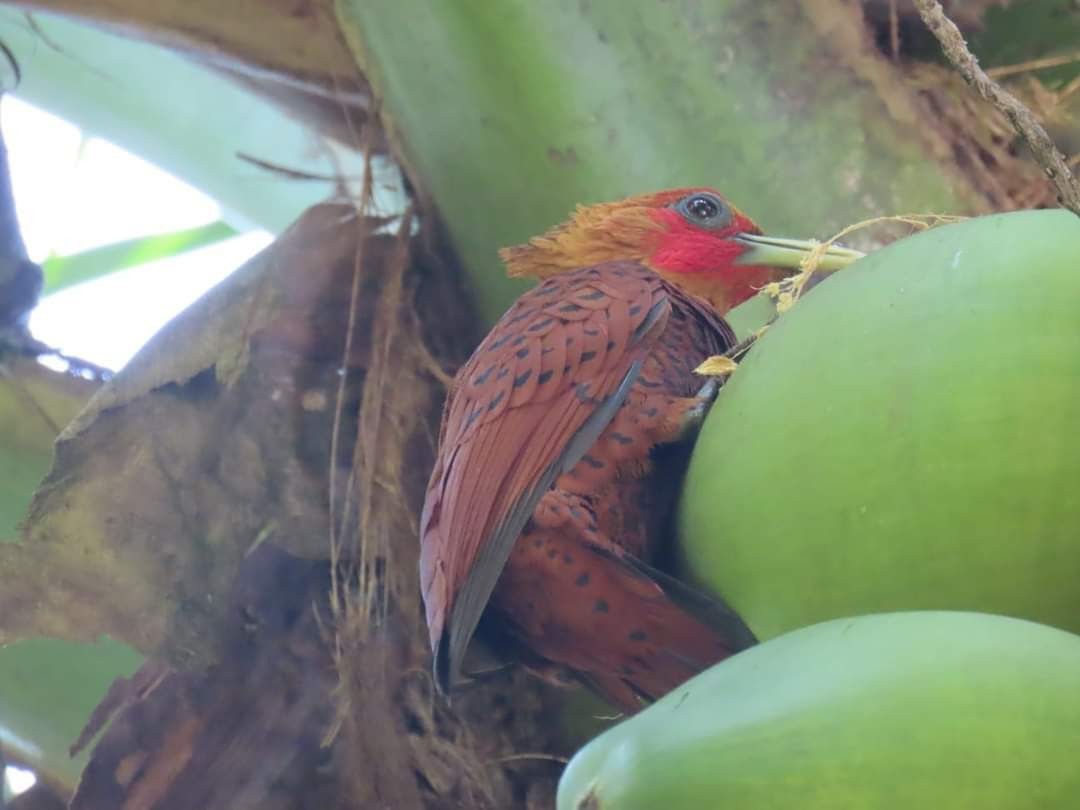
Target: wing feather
{"points": [[527, 406]]}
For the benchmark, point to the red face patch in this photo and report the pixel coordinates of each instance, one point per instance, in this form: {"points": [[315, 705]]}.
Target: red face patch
{"points": [[701, 260], [687, 248]]}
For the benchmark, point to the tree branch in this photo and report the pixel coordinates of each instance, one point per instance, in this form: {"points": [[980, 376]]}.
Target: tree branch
{"points": [[1023, 121], [20, 278]]}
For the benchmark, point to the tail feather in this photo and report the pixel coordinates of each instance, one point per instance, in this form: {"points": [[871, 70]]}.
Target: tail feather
{"points": [[629, 630], [710, 610], [667, 648], [675, 632]]}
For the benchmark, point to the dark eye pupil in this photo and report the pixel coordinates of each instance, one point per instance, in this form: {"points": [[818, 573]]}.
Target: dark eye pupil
{"points": [[702, 208]]}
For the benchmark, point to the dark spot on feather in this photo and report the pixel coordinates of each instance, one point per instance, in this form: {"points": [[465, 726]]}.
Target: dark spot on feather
{"points": [[601, 606], [592, 461], [522, 378], [591, 332], [547, 288], [480, 379], [637, 635], [518, 340], [522, 353], [650, 412], [553, 554], [545, 376], [570, 307], [566, 369], [587, 356], [648, 383], [555, 510], [574, 512], [621, 438], [610, 345], [496, 400], [595, 295], [635, 309], [582, 580], [567, 559], [474, 415], [499, 343], [519, 317], [536, 327], [548, 350], [502, 372]]}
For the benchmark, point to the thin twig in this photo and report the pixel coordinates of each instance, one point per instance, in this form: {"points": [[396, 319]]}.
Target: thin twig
{"points": [[343, 380], [1040, 143], [1032, 64], [894, 31], [530, 758], [15, 69], [1068, 89], [286, 171]]}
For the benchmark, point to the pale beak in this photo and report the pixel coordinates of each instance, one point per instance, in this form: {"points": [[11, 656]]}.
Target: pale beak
{"points": [[773, 252]]}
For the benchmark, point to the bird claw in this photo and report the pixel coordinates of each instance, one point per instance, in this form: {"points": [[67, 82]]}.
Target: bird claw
{"points": [[552, 674], [707, 393], [694, 416], [479, 677]]}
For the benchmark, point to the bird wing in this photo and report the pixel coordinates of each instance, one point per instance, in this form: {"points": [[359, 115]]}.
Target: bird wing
{"points": [[524, 409]]}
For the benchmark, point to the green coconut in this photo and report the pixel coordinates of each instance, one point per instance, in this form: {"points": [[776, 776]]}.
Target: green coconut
{"points": [[908, 437], [886, 712]]}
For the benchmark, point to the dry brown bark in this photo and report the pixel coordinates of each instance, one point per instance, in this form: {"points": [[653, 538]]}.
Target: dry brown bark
{"points": [[187, 513]]}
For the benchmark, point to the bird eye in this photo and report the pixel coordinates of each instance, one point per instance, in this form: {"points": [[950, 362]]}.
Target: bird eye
{"points": [[706, 210]]}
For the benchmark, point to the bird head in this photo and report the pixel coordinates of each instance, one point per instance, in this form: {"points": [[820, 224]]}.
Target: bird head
{"points": [[692, 237]]}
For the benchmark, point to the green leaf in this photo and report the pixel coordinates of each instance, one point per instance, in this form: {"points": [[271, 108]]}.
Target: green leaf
{"points": [[188, 119], [35, 403], [48, 688], [66, 271]]}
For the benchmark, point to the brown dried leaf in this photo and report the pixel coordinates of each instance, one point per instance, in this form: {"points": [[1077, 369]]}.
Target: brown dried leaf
{"points": [[186, 505], [213, 439], [245, 733]]}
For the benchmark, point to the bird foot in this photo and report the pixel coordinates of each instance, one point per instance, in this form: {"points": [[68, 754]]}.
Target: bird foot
{"points": [[553, 674], [707, 393], [694, 416], [479, 677]]}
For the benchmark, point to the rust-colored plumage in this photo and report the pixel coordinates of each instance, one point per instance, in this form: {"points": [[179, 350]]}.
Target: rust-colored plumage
{"points": [[558, 457]]}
